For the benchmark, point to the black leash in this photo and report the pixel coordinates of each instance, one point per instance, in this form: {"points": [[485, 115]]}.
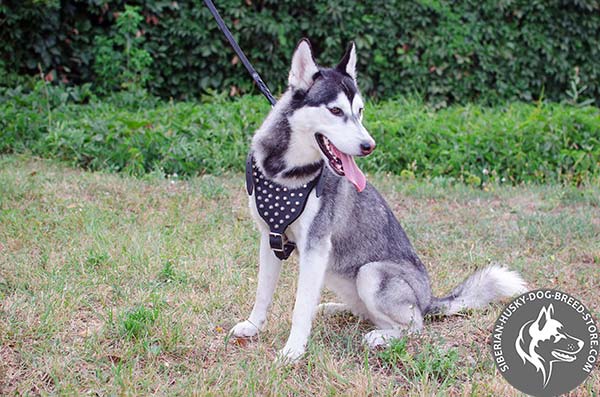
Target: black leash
{"points": [[261, 85]]}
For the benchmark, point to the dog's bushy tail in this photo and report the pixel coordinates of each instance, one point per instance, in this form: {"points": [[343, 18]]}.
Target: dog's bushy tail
{"points": [[482, 287]]}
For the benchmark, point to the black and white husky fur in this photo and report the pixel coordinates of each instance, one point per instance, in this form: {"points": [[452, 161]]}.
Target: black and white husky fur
{"points": [[348, 238]]}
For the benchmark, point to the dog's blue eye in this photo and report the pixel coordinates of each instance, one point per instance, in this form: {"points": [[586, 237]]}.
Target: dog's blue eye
{"points": [[336, 111]]}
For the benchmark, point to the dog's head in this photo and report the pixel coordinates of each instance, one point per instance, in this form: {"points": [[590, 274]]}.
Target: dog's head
{"points": [[543, 342], [331, 111]]}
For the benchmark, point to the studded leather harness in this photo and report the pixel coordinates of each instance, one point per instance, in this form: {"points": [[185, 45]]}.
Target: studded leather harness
{"points": [[277, 205]]}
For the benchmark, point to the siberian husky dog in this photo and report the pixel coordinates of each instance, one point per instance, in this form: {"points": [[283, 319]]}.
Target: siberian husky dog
{"points": [[346, 236]]}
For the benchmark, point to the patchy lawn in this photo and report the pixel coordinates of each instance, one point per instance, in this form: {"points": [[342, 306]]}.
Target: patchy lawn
{"points": [[115, 285]]}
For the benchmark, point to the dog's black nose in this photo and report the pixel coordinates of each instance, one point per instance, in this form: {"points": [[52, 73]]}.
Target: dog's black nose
{"points": [[367, 147]]}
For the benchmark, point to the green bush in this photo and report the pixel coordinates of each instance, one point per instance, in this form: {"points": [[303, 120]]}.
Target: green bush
{"points": [[445, 51], [514, 143], [120, 61]]}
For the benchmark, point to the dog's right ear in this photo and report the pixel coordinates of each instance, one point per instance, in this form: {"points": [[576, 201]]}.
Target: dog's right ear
{"points": [[303, 67]]}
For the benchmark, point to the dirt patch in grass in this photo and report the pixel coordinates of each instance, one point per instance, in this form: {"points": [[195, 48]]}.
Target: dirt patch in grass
{"points": [[11, 371]]}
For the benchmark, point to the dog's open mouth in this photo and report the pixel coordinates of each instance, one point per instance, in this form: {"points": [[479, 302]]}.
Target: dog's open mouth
{"points": [[563, 356], [327, 148], [341, 163]]}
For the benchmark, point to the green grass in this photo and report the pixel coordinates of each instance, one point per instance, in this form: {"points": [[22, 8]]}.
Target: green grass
{"points": [[136, 323], [114, 285], [136, 134], [430, 362]]}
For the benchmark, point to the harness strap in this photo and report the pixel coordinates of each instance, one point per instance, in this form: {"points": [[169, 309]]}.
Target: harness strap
{"points": [[278, 206], [280, 245]]}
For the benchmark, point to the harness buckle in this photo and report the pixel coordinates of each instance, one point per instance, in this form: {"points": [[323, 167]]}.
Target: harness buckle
{"points": [[277, 241]]}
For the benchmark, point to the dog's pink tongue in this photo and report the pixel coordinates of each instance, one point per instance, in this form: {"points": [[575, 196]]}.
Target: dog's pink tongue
{"points": [[351, 170]]}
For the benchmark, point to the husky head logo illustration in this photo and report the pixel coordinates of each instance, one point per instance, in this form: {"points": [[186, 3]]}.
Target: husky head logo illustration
{"points": [[543, 342]]}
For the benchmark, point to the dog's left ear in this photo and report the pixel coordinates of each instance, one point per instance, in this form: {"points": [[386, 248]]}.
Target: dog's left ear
{"points": [[348, 63], [544, 316]]}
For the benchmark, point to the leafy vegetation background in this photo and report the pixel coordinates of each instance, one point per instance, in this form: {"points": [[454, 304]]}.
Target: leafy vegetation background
{"points": [[139, 134], [444, 51]]}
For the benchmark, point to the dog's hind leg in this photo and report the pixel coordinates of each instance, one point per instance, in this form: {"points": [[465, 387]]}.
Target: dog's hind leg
{"points": [[268, 274], [345, 289], [391, 301], [332, 308]]}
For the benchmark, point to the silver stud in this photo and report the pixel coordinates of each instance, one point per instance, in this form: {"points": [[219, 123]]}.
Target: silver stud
{"points": [[270, 219], [276, 226], [270, 195], [261, 206], [276, 197], [297, 202], [282, 208], [266, 183], [271, 186], [300, 195], [276, 213], [254, 173], [277, 189], [304, 186], [276, 204], [259, 197], [270, 207], [285, 189], [281, 221], [287, 217], [293, 210], [293, 194], [265, 213], [266, 200], [288, 202], [285, 197]]}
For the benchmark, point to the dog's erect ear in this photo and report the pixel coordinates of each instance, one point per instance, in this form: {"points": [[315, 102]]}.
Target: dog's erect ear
{"points": [[544, 316], [348, 63], [303, 66]]}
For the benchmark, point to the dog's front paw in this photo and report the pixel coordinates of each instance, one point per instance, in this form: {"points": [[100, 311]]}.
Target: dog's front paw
{"points": [[245, 329], [289, 355]]}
